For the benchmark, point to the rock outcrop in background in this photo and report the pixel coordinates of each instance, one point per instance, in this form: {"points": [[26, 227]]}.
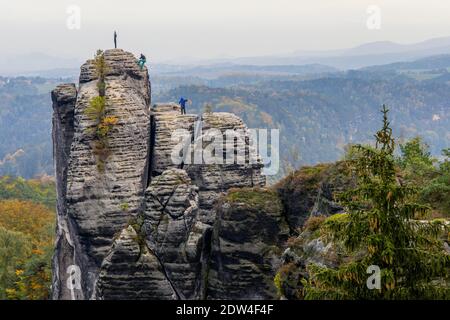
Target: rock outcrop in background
{"points": [[145, 227]]}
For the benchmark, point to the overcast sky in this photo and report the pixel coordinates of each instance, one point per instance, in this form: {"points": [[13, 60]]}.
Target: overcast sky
{"points": [[173, 29]]}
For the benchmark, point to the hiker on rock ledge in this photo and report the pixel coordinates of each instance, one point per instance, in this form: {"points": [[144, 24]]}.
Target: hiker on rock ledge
{"points": [[115, 40], [182, 103], [142, 61]]}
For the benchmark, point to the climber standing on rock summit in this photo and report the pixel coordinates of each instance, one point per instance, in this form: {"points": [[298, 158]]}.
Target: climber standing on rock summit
{"points": [[115, 40], [182, 103]]}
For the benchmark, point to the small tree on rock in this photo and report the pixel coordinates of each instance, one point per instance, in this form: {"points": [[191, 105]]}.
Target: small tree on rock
{"points": [[380, 234]]}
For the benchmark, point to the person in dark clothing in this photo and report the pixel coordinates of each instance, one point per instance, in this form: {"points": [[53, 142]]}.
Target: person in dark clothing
{"points": [[182, 103], [142, 61], [115, 39]]}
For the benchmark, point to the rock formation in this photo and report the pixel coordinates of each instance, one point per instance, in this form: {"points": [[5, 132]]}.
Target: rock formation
{"points": [[93, 200], [174, 232], [311, 190], [132, 271], [248, 234], [145, 227]]}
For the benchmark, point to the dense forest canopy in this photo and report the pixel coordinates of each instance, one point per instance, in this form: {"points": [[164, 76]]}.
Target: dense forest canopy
{"points": [[27, 223]]}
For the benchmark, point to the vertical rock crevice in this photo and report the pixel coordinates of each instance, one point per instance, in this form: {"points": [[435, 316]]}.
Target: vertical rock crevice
{"points": [[64, 99]]}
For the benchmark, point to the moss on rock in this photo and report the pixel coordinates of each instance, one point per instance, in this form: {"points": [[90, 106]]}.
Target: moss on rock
{"points": [[258, 198]]}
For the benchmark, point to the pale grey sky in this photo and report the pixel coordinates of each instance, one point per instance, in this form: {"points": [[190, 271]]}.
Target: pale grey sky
{"points": [[173, 29]]}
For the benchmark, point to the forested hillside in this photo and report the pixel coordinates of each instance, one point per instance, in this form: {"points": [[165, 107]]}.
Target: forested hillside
{"points": [[383, 217], [27, 223], [318, 118], [318, 114], [25, 126]]}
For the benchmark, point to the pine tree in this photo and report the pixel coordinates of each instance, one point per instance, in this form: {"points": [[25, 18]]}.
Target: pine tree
{"points": [[379, 230]]}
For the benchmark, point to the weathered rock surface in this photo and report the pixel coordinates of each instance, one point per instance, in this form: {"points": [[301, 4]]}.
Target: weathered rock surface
{"points": [[94, 200], [147, 227], [215, 179], [167, 118], [309, 247], [131, 270], [64, 99], [212, 179], [311, 191], [174, 232], [248, 234]]}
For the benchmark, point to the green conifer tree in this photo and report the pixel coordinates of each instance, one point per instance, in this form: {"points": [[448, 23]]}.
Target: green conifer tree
{"points": [[379, 230]]}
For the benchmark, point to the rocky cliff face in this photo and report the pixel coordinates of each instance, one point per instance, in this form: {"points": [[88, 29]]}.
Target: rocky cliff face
{"points": [[145, 227], [310, 191], [248, 235], [92, 212]]}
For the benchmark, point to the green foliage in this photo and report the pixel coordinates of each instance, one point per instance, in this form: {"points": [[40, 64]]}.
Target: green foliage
{"points": [[435, 192], [419, 169], [262, 199], [380, 231], [124, 206], [307, 178], [37, 190], [286, 276], [137, 223], [101, 69], [416, 162], [314, 222], [97, 112], [278, 281], [415, 153], [96, 109], [14, 249], [33, 278], [445, 165], [29, 271], [351, 153], [25, 126], [338, 218], [313, 188]]}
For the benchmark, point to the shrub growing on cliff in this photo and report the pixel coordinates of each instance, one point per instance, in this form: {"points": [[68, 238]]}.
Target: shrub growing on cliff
{"points": [[380, 231], [96, 111], [314, 222], [100, 71]]}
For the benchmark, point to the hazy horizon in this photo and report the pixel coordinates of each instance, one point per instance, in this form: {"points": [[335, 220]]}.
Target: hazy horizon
{"points": [[174, 30]]}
